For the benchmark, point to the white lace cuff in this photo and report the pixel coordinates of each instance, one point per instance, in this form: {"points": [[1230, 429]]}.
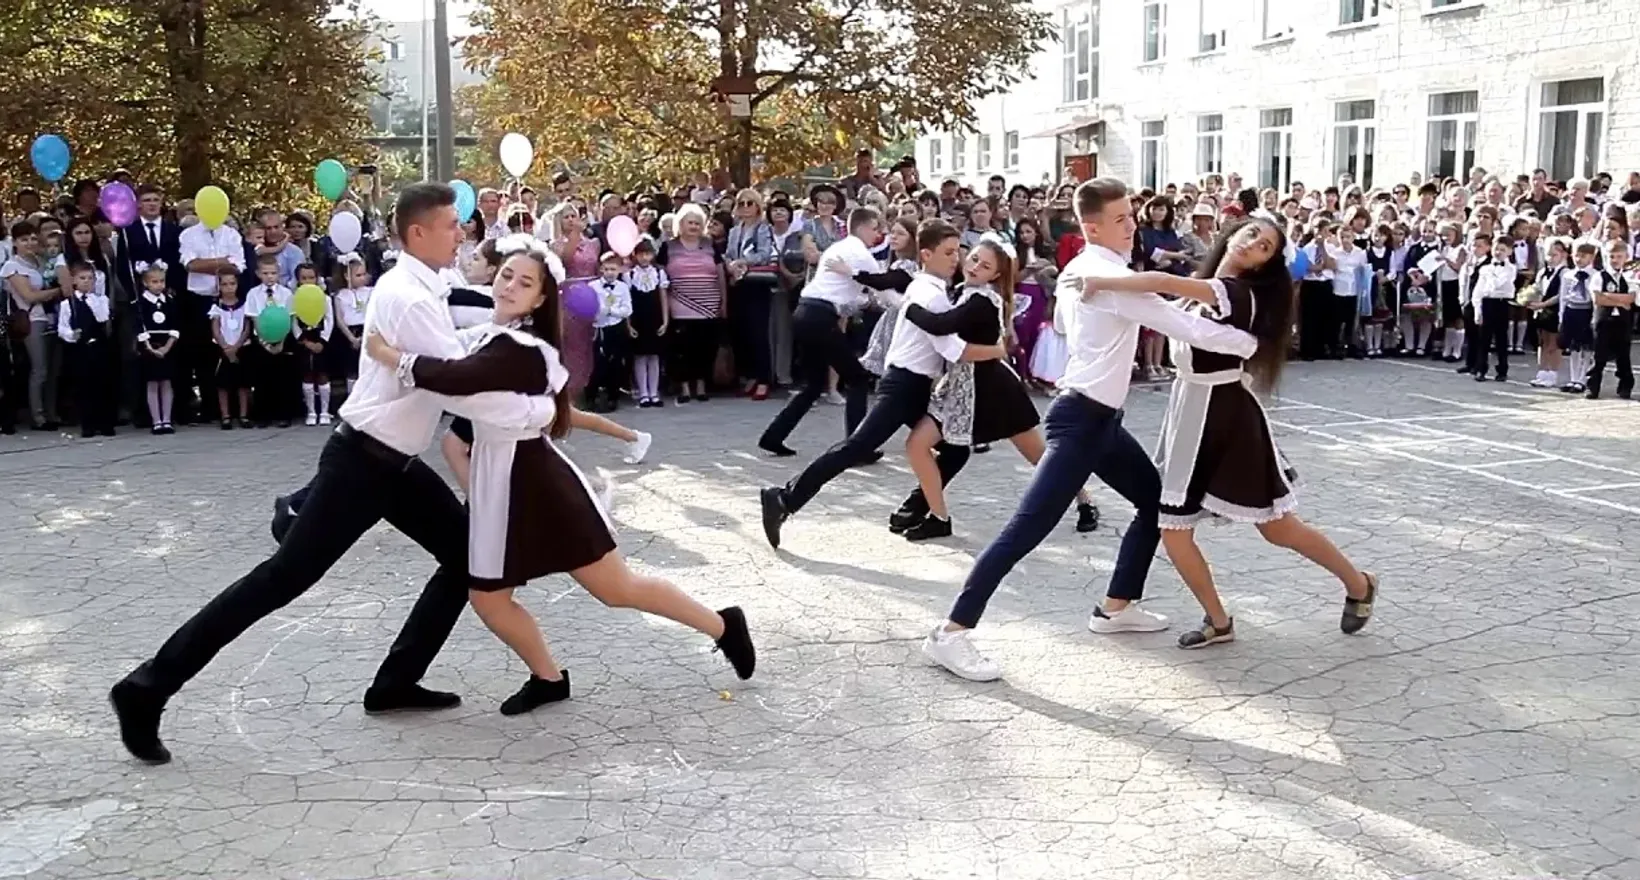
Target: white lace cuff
{"points": [[1221, 297], [406, 370]]}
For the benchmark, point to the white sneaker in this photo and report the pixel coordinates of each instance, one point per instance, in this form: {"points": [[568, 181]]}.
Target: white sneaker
{"points": [[1543, 379], [324, 418], [835, 399], [637, 449], [956, 652], [1130, 619], [312, 420]]}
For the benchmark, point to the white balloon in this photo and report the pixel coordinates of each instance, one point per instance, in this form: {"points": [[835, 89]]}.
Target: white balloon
{"points": [[517, 153], [344, 231]]}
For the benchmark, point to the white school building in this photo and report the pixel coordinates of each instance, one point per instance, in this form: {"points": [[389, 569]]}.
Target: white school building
{"points": [[1158, 91]]}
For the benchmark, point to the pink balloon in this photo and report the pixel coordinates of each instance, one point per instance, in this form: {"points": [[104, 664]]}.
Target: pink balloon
{"points": [[118, 203], [581, 300], [622, 235]]}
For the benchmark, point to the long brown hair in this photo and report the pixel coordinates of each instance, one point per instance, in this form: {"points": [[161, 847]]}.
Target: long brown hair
{"points": [[1271, 286], [546, 324], [1007, 279]]}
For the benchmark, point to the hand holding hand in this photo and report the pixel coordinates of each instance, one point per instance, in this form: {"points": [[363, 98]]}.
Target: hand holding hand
{"points": [[380, 351]]}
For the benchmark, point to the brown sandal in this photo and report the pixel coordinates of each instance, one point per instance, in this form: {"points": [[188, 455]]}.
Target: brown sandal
{"points": [[1358, 611]]}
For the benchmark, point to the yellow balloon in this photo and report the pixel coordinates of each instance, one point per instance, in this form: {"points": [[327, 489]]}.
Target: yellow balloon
{"points": [[211, 204], [309, 304]]}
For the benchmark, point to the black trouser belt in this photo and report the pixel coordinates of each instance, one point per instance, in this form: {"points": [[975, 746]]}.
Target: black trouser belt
{"points": [[375, 448]]}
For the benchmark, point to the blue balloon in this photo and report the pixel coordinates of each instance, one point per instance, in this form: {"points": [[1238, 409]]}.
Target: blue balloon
{"points": [[466, 199], [50, 156], [1300, 266]]}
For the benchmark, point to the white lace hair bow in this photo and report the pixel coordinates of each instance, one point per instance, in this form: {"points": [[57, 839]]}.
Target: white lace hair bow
{"points": [[350, 258], [144, 267], [996, 238], [521, 243]]}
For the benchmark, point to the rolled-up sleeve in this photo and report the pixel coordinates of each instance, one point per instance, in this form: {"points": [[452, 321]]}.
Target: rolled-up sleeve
{"points": [[422, 330], [1150, 310]]}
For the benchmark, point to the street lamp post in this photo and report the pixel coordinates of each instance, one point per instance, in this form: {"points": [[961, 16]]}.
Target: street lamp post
{"points": [[441, 76]]}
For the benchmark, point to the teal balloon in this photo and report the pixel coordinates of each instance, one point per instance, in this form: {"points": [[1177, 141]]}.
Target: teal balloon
{"points": [[466, 199], [331, 179], [273, 325], [50, 156]]}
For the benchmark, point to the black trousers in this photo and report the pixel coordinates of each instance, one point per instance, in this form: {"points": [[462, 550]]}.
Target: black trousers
{"points": [[1315, 304], [822, 346], [750, 302], [1612, 338], [611, 361], [196, 366], [693, 346], [276, 380], [902, 402], [360, 482], [1491, 334], [92, 367], [13, 387]]}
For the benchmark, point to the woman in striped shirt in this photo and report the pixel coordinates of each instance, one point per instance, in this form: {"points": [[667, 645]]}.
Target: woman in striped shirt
{"points": [[695, 301]]}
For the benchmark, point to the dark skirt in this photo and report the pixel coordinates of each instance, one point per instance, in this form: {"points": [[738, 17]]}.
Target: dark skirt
{"points": [[647, 314], [1451, 308], [554, 524], [1237, 473], [313, 364], [344, 358], [1002, 406], [153, 367], [1577, 330], [1547, 320], [231, 375]]}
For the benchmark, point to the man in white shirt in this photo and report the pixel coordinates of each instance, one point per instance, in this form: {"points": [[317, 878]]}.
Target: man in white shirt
{"points": [[914, 362], [368, 471], [817, 331], [1085, 435], [203, 252]]}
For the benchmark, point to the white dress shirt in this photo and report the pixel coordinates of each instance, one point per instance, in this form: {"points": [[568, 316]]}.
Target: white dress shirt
{"points": [[350, 305], [1349, 262], [1495, 280], [199, 243], [408, 308], [614, 302], [231, 322], [1103, 332], [915, 349], [261, 296], [65, 314], [834, 286]]}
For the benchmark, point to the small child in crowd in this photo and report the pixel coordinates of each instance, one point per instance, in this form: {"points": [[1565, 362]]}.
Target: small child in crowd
{"points": [[230, 330], [647, 284], [612, 336]]}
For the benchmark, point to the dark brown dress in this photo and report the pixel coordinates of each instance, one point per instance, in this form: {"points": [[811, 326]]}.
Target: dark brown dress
{"points": [[531, 511]]}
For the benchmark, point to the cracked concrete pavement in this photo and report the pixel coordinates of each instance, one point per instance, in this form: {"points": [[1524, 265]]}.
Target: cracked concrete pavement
{"points": [[1482, 727]]}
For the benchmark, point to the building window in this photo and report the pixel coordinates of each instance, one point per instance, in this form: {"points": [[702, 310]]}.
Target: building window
{"points": [[1275, 148], [959, 153], [1210, 144], [1571, 120], [984, 152], [1010, 150], [1442, 4], [1357, 11], [1079, 36], [393, 50], [1449, 149], [1276, 19], [936, 159], [1153, 153], [1155, 29], [1354, 134], [1214, 29]]}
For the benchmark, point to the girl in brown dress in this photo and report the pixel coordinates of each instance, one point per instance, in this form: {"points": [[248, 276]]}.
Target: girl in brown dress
{"points": [[1216, 455], [532, 511]]}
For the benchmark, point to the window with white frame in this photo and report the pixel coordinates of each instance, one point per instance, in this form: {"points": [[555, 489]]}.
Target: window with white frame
{"points": [[1079, 39], [1153, 153], [1571, 122], [936, 159], [1275, 19], [1210, 144], [1275, 148], [1214, 26], [1010, 150], [959, 152], [1355, 133], [393, 50], [984, 152], [1357, 11], [1155, 18], [1442, 4], [1449, 141]]}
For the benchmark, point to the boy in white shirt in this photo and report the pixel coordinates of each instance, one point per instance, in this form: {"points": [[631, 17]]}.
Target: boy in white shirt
{"points": [[1349, 262], [272, 365], [1490, 290], [612, 338], [83, 327]]}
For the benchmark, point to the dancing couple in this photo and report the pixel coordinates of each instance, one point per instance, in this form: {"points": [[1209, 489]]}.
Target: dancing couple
{"points": [[1216, 450], [369, 470]]}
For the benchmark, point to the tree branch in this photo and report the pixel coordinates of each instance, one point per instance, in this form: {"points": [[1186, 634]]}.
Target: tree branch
{"points": [[787, 78]]}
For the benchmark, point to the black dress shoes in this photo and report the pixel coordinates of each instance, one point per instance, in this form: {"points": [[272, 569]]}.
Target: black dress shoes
{"points": [[379, 700], [139, 713], [736, 643]]}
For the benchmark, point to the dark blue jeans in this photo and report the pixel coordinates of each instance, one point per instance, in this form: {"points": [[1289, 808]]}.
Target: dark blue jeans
{"points": [[1084, 439]]}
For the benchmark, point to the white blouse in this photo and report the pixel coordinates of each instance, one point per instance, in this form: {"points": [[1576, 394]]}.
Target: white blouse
{"points": [[15, 267], [233, 322], [350, 305]]}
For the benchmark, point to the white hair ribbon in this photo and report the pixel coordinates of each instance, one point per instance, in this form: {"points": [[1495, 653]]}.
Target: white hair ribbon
{"points": [[521, 243], [143, 267]]}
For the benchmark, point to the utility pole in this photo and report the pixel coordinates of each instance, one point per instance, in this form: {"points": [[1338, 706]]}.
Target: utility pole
{"points": [[446, 166], [426, 98]]}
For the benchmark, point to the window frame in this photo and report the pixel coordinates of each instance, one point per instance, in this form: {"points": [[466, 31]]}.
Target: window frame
{"points": [[1213, 140], [1362, 174], [936, 155], [1459, 119], [1145, 7], [1220, 37], [959, 153], [1070, 57], [1284, 137], [1370, 11], [1265, 17], [983, 147], [1537, 111], [1160, 141], [1010, 150]]}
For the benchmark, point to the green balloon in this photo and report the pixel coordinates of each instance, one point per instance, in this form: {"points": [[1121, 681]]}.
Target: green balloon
{"points": [[331, 178], [273, 325]]}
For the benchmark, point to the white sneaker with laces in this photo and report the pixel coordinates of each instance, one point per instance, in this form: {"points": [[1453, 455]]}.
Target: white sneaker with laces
{"points": [[835, 399], [1130, 619], [324, 418], [956, 652], [637, 449], [312, 420]]}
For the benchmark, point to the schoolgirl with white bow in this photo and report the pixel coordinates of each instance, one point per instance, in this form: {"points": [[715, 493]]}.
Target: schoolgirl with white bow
{"points": [[352, 295], [157, 334]]}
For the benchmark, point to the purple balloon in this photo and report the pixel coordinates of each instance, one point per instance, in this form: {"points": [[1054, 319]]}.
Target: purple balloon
{"points": [[581, 300], [118, 203]]}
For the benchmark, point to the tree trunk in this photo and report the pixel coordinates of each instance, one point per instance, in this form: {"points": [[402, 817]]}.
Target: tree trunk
{"points": [[184, 24]]}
